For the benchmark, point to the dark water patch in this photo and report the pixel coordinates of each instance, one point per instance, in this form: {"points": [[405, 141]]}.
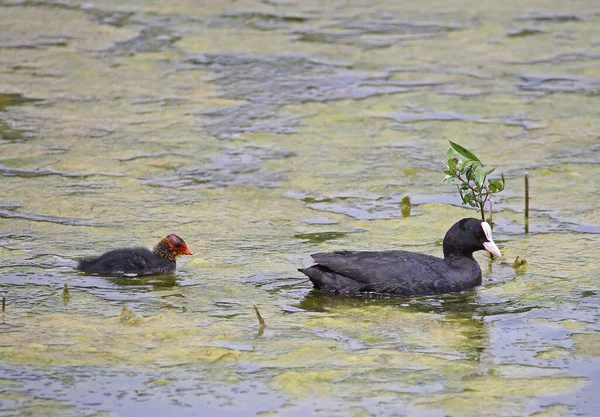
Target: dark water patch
{"points": [[146, 155], [441, 70], [12, 130], [421, 115], [9, 134], [86, 390], [265, 21], [232, 167], [415, 115], [543, 221], [276, 283], [520, 338], [7, 238], [362, 210], [149, 39], [372, 31], [559, 84], [45, 172], [116, 18], [556, 222], [324, 221], [7, 205], [348, 343], [524, 32], [372, 206], [574, 155], [363, 31], [560, 58], [68, 221], [377, 207], [387, 23], [42, 42], [228, 309], [55, 4], [7, 100], [269, 82], [553, 17], [523, 122], [320, 237], [353, 38], [40, 291], [163, 101], [233, 122], [462, 304], [288, 79], [43, 262], [156, 282], [85, 188], [463, 93], [35, 71]]}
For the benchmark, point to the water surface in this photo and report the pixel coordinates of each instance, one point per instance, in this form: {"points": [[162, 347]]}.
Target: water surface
{"points": [[262, 132]]}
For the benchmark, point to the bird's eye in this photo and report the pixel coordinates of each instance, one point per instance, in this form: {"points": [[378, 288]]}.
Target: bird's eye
{"points": [[478, 233]]}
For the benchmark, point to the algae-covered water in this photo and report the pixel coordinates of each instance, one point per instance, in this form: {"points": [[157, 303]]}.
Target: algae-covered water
{"points": [[264, 131]]}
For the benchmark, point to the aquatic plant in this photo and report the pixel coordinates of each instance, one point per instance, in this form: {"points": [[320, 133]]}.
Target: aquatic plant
{"points": [[471, 178]]}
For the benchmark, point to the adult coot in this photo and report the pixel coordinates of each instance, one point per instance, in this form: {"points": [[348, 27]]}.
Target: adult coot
{"points": [[137, 261], [406, 273]]}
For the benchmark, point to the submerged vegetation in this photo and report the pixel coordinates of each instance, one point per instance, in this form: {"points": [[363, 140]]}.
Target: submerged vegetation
{"points": [[471, 178], [269, 131]]}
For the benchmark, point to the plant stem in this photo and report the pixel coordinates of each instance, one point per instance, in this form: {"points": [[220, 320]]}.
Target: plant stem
{"points": [[526, 203], [261, 321], [475, 192]]}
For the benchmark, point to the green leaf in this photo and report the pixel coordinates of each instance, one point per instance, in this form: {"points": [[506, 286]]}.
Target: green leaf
{"points": [[449, 154], [471, 172], [464, 151], [452, 163], [479, 176], [447, 179], [496, 186], [469, 165], [490, 171]]}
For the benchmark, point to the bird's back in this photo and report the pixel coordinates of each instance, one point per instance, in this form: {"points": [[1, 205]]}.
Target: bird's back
{"points": [[394, 272], [129, 261]]}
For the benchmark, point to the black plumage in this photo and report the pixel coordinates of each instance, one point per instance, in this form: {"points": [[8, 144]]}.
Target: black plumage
{"points": [[137, 261], [405, 273]]}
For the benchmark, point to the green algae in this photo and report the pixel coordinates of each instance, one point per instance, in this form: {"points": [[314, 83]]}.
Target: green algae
{"points": [[136, 138], [586, 344], [523, 387], [307, 383], [67, 340], [129, 318]]}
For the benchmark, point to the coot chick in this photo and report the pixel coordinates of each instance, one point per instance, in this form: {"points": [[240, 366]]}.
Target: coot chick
{"points": [[137, 261], [404, 273]]}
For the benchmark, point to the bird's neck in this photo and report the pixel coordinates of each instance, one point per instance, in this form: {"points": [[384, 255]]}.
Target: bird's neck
{"points": [[458, 258], [163, 250], [454, 250]]}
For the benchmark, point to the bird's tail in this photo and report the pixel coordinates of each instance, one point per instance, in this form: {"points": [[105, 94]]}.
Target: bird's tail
{"points": [[325, 279]]}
